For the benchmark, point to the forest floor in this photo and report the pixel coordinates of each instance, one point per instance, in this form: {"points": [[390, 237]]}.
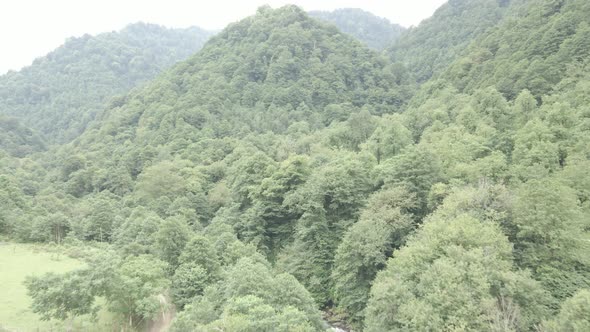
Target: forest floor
{"points": [[17, 261]]}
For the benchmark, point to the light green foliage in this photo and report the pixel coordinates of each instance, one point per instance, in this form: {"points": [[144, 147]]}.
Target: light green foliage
{"points": [[134, 288], [96, 218], [18, 262], [251, 298], [59, 94], [171, 240], [485, 201], [189, 280], [52, 297], [200, 250], [12, 203], [160, 180], [415, 168], [535, 154], [383, 227], [138, 289], [285, 146], [355, 131], [375, 32], [389, 138], [198, 267], [574, 315], [454, 274], [552, 237], [137, 233]]}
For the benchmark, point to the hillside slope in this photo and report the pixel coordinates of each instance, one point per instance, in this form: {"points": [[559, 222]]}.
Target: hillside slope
{"points": [[286, 167], [375, 32], [431, 46], [61, 92]]}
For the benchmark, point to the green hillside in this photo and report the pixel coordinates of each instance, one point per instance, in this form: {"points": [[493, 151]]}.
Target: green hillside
{"points": [[376, 32], [287, 169], [60, 93], [428, 49]]}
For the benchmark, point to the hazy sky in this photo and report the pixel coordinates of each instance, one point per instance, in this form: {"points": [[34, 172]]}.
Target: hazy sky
{"points": [[32, 28]]}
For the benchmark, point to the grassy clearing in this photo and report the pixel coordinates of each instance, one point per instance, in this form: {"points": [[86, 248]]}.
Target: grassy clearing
{"points": [[17, 261]]}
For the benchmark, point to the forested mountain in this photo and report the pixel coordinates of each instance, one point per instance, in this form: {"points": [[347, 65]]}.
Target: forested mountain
{"points": [[429, 48], [537, 46], [373, 31], [286, 168], [61, 92], [18, 140]]}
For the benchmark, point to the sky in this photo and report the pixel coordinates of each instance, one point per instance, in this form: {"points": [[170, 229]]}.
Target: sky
{"points": [[32, 28]]}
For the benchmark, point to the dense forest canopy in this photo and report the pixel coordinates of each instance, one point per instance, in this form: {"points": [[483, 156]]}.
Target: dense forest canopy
{"points": [[433, 45], [373, 31], [286, 168], [60, 93]]}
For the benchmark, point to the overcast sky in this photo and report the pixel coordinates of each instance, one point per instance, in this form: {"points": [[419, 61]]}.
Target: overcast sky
{"points": [[32, 28]]}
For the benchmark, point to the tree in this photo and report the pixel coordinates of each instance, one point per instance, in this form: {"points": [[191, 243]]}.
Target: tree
{"points": [[535, 154], [97, 217], [269, 223], [574, 315], [551, 237], [415, 168], [309, 257], [454, 274], [199, 250], [61, 297], [139, 288], [389, 138], [136, 234], [171, 239], [383, 227], [251, 298], [189, 280]]}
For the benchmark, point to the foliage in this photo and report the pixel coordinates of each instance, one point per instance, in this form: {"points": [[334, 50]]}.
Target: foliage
{"points": [[454, 274], [432, 46], [59, 94], [287, 167], [573, 315], [375, 32], [383, 226], [251, 298], [52, 299]]}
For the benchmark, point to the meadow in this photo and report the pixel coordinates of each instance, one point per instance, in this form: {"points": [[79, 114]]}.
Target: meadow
{"points": [[17, 261]]}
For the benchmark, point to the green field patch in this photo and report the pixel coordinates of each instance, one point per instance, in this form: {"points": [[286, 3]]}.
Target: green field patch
{"points": [[17, 261]]}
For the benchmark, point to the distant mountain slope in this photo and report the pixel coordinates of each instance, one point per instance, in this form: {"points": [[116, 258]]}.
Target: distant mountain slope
{"points": [[18, 140], [259, 74], [439, 40], [374, 31], [60, 93], [536, 46], [276, 72]]}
